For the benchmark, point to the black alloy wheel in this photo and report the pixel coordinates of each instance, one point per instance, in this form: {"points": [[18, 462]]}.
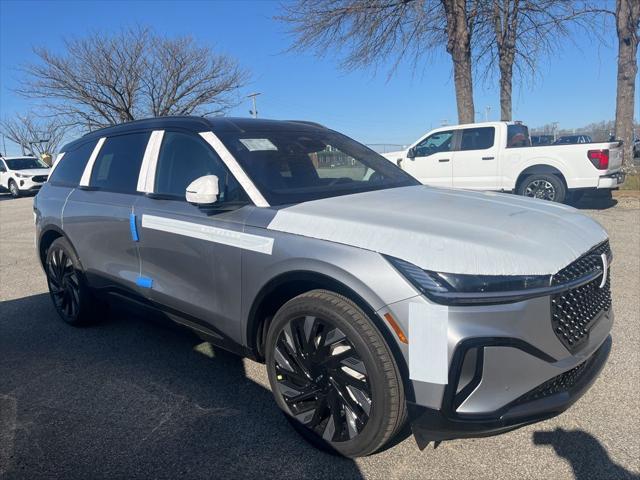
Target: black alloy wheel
{"points": [[64, 283], [322, 379], [333, 374]]}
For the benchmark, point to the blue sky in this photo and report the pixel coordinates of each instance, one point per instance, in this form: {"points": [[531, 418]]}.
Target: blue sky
{"points": [[575, 87]]}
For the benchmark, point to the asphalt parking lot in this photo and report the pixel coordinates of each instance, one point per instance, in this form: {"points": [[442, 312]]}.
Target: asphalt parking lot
{"points": [[133, 398]]}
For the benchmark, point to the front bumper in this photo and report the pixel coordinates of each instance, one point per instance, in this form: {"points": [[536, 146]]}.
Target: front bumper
{"points": [[544, 401]]}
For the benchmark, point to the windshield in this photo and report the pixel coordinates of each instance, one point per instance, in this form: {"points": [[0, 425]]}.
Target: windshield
{"points": [[24, 163], [291, 166]]}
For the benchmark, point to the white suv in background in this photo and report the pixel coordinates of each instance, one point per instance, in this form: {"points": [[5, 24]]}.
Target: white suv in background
{"points": [[22, 174]]}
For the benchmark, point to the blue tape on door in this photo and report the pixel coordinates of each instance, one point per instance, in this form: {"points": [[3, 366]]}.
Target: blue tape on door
{"points": [[134, 227], [144, 282]]}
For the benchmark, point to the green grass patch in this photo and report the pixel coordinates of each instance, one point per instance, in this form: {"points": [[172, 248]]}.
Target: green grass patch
{"points": [[632, 182]]}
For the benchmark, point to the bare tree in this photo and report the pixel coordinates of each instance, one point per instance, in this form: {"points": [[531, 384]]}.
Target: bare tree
{"points": [[373, 31], [37, 136], [104, 80], [515, 34], [628, 24]]}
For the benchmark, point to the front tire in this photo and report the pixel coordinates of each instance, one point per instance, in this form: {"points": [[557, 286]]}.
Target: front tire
{"points": [[68, 289], [544, 187], [13, 189], [333, 375]]}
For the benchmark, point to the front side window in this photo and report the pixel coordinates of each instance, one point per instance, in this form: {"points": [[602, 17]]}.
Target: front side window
{"points": [[68, 171], [25, 163], [2, 167], [292, 165], [435, 143], [477, 138], [117, 165], [186, 157]]}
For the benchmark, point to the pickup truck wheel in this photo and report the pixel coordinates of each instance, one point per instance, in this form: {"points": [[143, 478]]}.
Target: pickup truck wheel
{"points": [[333, 375], [13, 189], [543, 186]]}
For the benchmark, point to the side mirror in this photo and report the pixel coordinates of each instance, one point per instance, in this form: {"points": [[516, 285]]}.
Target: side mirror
{"points": [[203, 190], [411, 153]]}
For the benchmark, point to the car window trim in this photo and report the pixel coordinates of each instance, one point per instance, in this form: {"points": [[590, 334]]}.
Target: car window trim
{"points": [[147, 174], [235, 169], [86, 174]]}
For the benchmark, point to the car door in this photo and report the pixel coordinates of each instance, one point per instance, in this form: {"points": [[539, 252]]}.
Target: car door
{"points": [[190, 261], [431, 162], [97, 213], [475, 161]]}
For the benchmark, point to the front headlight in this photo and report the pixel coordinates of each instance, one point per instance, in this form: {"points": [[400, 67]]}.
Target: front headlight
{"points": [[22, 175], [463, 289]]}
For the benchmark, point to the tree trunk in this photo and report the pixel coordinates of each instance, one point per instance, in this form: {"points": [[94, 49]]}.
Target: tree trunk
{"points": [[627, 21], [506, 75], [459, 47]]}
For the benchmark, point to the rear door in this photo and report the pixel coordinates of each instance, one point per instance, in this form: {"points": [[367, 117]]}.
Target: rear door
{"points": [[475, 162], [432, 162], [98, 213], [191, 255]]}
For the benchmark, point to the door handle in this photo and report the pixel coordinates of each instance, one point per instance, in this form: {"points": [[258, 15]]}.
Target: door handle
{"points": [[443, 160], [488, 158]]}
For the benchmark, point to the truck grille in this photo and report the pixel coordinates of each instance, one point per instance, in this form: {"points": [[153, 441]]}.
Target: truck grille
{"points": [[39, 178], [574, 311]]}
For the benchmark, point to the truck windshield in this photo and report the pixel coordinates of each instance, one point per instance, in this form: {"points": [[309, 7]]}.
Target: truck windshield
{"points": [[24, 163], [518, 136], [291, 166]]}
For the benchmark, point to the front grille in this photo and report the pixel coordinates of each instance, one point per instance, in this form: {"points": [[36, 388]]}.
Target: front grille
{"points": [[574, 312], [39, 178]]}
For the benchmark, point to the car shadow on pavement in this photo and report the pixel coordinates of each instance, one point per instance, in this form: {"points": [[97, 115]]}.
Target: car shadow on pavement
{"points": [[132, 398], [594, 202], [587, 456]]}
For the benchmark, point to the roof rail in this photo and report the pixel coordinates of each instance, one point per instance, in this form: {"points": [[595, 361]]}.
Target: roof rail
{"points": [[306, 122]]}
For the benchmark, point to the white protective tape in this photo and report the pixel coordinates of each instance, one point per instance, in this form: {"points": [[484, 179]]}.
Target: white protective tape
{"points": [[86, 175], [428, 343], [55, 163], [235, 169], [447, 230], [245, 241], [147, 176]]}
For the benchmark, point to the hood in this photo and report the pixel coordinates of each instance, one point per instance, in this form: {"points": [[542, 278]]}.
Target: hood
{"points": [[452, 231], [33, 171]]}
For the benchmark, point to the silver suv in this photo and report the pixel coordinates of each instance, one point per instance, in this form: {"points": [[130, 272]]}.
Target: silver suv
{"points": [[372, 299]]}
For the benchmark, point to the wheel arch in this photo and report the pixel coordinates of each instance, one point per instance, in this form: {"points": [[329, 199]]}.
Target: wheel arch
{"points": [[48, 235], [286, 286], [540, 169]]}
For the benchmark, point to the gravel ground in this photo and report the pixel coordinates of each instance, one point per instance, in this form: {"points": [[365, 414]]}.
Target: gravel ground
{"points": [[132, 398]]}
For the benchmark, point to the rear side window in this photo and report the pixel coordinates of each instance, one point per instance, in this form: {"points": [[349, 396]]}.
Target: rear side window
{"points": [[184, 158], [117, 166], [518, 136], [70, 167], [477, 138]]}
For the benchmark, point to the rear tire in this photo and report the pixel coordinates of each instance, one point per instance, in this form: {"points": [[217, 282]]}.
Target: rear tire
{"points": [[13, 189], [333, 375], [543, 186], [70, 294]]}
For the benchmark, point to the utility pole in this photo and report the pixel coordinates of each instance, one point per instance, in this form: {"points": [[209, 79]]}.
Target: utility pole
{"points": [[252, 96]]}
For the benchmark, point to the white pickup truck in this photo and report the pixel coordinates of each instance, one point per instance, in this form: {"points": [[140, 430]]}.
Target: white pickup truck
{"points": [[498, 156]]}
